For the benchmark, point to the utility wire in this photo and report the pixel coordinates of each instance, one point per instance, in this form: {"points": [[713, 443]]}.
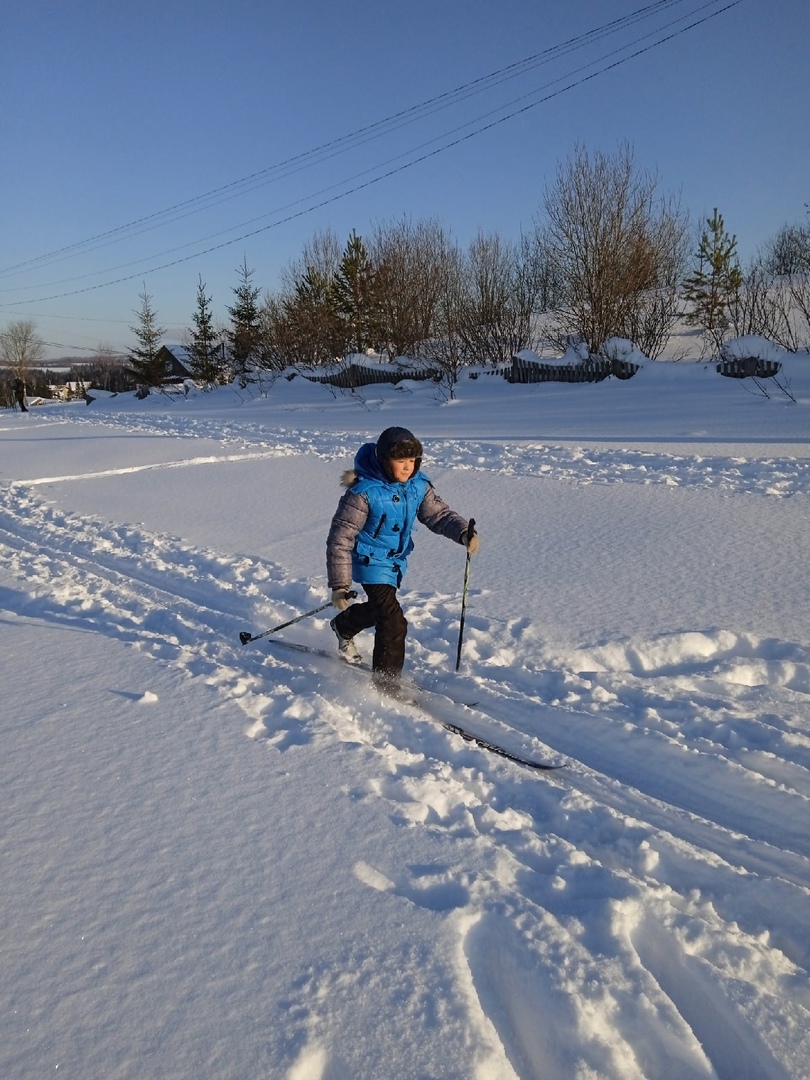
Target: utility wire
{"points": [[407, 165], [356, 176], [340, 145]]}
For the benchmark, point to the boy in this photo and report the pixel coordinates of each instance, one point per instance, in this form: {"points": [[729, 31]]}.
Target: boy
{"points": [[369, 542]]}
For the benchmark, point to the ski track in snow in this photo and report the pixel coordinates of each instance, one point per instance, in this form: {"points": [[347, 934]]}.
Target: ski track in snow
{"points": [[671, 776], [774, 477]]}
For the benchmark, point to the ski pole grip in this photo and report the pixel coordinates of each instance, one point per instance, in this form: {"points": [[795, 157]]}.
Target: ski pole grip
{"points": [[470, 530]]}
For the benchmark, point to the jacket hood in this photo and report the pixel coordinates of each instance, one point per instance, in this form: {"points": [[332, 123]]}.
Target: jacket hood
{"points": [[368, 465]]}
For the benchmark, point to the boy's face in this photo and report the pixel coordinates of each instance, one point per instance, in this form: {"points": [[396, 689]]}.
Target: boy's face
{"points": [[402, 468]]}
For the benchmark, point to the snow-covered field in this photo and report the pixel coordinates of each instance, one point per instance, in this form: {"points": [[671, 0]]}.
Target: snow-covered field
{"points": [[238, 862]]}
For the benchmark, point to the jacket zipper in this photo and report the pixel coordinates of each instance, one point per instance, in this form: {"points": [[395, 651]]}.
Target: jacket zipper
{"points": [[378, 530]]}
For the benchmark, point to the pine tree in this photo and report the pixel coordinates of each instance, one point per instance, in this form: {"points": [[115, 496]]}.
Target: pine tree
{"points": [[356, 296], [716, 279], [204, 347], [244, 332], [144, 362], [313, 310]]}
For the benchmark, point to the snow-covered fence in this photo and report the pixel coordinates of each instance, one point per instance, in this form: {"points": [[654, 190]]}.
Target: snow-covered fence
{"points": [[356, 371], [750, 356], [594, 369], [749, 366]]}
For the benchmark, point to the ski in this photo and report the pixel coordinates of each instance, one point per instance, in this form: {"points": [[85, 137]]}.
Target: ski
{"points": [[501, 751], [424, 709]]}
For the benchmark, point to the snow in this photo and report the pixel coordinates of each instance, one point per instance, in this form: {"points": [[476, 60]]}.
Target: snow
{"points": [[226, 861], [753, 345]]}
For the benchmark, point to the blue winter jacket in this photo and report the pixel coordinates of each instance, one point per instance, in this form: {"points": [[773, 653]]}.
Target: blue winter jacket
{"points": [[382, 547], [370, 538]]}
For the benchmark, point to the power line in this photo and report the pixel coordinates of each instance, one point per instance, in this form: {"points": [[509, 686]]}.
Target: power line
{"points": [[356, 176], [75, 318], [340, 145], [480, 129], [61, 345]]}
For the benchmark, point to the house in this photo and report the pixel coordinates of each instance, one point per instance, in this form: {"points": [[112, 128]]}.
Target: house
{"points": [[177, 362]]}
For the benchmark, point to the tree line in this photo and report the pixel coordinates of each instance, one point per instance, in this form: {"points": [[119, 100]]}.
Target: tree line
{"points": [[22, 374], [609, 256]]}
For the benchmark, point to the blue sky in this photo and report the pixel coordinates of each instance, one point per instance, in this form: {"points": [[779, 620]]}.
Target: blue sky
{"points": [[115, 113]]}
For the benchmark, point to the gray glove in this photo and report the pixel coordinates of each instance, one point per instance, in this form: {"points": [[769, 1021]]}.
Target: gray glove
{"points": [[341, 599]]}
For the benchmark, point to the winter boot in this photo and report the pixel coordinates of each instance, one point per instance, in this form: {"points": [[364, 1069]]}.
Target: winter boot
{"points": [[346, 646]]}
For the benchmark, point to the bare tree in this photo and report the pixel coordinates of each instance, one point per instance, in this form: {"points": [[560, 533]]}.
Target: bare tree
{"points": [[105, 370], [407, 260], [616, 250], [798, 286], [21, 348], [487, 301], [761, 306], [649, 314], [321, 255], [788, 253], [447, 349], [485, 305], [105, 360], [500, 299]]}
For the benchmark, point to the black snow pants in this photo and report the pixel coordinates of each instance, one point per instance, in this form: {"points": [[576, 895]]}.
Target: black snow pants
{"points": [[382, 611]]}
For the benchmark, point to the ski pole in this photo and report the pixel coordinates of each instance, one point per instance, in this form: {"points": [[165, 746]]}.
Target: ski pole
{"points": [[246, 637], [470, 534]]}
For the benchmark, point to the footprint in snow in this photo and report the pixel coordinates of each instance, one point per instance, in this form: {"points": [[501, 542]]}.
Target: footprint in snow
{"points": [[435, 891]]}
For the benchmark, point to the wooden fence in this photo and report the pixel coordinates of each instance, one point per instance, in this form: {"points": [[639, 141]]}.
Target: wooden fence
{"points": [[588, 371], [352, 376], [748, 367]]}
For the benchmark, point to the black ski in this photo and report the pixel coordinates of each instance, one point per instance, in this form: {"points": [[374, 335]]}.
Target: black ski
{"points": [[423, 708], [501, 751]]}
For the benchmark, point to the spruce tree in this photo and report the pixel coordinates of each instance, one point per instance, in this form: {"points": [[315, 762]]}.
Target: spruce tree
{"points": [[716, 280], [204, 347], [144, 361], [356, 296], [244, 333], [313, 310]]}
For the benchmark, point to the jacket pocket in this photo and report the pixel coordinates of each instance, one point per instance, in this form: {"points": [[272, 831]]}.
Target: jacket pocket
{"points": [[367, 551]]}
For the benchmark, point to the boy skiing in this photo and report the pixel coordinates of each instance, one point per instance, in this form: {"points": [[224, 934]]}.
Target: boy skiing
{"points": [[369, 542]]}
